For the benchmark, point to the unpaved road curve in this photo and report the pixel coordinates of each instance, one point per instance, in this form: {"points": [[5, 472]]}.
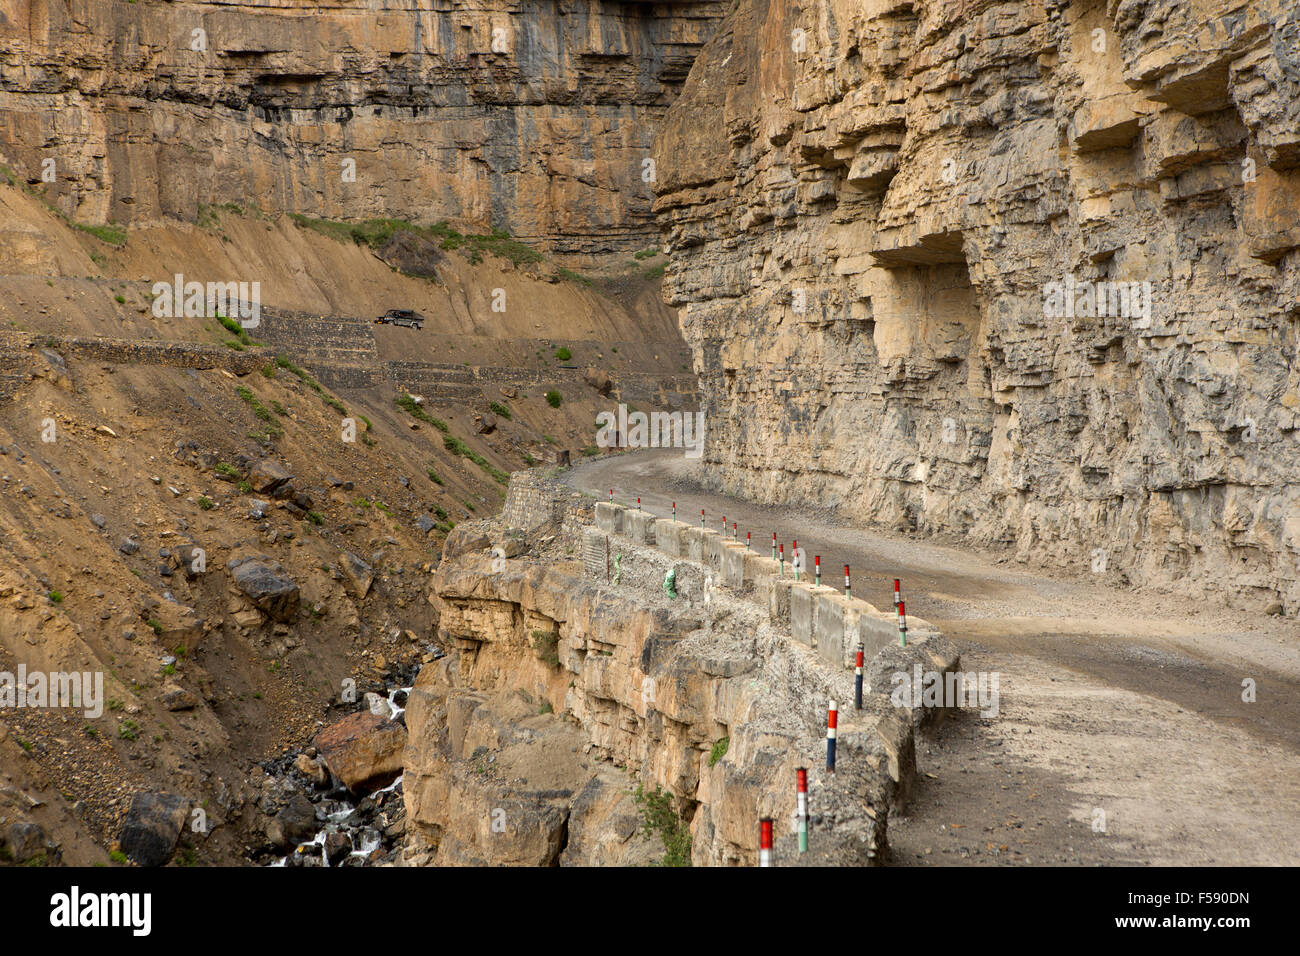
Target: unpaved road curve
{"points": [[1117, 707]]}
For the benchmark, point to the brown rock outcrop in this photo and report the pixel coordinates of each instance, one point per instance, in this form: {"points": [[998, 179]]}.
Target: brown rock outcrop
{"points": [[533, 120], [878, 215]]}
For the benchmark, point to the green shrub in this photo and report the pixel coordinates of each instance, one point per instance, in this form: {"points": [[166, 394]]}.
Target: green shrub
{"points": [[659, 818], [56, 597], [205, 503], [563, 354], [719, 751], [500, 410], [546, 647], [408, 404], [554, 399]]}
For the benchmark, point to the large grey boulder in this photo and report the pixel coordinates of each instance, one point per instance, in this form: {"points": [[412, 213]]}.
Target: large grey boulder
{"points": [[268, 587], [152, 827]]}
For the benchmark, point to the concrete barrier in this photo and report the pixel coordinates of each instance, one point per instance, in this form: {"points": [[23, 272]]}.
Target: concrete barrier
{"points": [[760, 572], [733, 566], [836, 623], [609, 517], [803, 611], [877, 630], [697, 544], [640, 526], [778, 605], [668, 536], [717, 545]]}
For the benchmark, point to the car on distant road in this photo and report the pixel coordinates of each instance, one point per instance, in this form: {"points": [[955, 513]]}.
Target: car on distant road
{"points": [[403, 317]]}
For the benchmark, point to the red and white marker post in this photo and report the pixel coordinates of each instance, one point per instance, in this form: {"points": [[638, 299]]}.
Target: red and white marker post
{"points": [[773, 545], [848, 590], [832, 718], [765, 841], [801, 807], [748, 543], [817, 569], [902, 624], [897, 595], [857, 676], [782, 560]]}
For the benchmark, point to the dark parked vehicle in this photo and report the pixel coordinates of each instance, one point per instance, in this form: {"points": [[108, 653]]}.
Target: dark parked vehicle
{"points": [[403, 317]]}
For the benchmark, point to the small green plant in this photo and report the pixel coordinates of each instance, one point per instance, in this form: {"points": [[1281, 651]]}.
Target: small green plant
{"points": [[226, 470], [719, 750], [500, 410], [546, 647], [245, 488], [433, 476], [128, 730], [408, 404], [120, 299], [155, 625], [205, 503], [546, 708], [563, 354], [554, 399], [570, 276], [25, 744], [315, 517], [659, 818], [56, 597], [117, 856]]}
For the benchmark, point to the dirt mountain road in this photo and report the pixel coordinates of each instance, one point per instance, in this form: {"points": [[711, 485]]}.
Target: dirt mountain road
{"points": [[1121, 736]]}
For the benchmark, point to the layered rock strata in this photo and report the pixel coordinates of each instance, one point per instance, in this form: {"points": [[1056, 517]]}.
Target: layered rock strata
{"points": [[566, 688], [530, 117], [1024, 273]]}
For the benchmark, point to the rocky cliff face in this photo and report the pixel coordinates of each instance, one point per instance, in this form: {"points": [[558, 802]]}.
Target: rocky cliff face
{"points": [[1027, 273], [566, 685], [533, 117]]}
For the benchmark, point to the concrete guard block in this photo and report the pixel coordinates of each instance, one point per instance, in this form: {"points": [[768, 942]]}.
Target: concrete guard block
{"points": [[640, 526], [609, 517], [778, 606], [733, 566], [668, 536]]}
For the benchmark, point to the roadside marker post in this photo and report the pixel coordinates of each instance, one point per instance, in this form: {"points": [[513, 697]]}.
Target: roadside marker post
{"points": [[765, 841], [848, 590], [902, 624], [701, 519], [794, 556], [857, 677], [749, 545], [897, 596], [782, 574], [832, 718], [674, 511], [817, 569], [801, 782], [611, 496], [773, 545], [733, 531]]}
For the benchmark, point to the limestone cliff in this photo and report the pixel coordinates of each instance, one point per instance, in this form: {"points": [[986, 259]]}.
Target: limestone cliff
{"points": [[532, 117], [868, 206]]}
